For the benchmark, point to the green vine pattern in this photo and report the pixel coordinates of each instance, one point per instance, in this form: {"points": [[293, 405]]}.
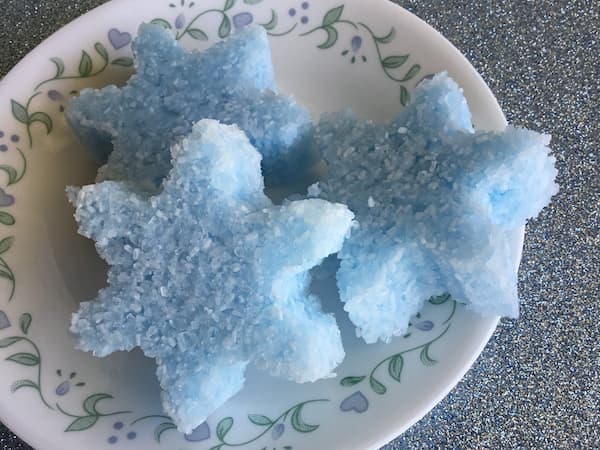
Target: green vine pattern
{"points": [[85, 69], [295, 418], [391, 65], [225, 425], [395, 362], [91, 414], [33, 358], [225, 25], [5, 245], [27, 115]]}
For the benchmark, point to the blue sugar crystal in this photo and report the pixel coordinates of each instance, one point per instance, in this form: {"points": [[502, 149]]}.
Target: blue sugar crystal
{"points": [[208, 276], [232, 82], [436, 203]]}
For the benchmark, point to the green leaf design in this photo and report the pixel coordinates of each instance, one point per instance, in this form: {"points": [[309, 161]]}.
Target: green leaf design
{"points": [[19, 112], [160, 429], [25, 322], [377, 386], [252, 2], [299, 424], [395, 367], [425, 358], [332, 36], [223, 427], [393, 62], [387, 38], [216, 447], [228, 4], [225, 27], [24, 358], [412, 72], [89, 404], [23, 383], [440, 299], [271, 24], [161, 22], [6, 244], [333, 16], [351, 381], [404, 96], [7, 275], [198, 34], [124, 61], [7, 342], [6, 218], [42, 117], [60, 66], [85, 64], [82, 423], [101, 49], [11, 172], [258, 419]]}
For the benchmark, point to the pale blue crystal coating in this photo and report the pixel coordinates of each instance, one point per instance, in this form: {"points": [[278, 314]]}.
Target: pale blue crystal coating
{"points": [[209, 276], [232, 82], [436, 204]]}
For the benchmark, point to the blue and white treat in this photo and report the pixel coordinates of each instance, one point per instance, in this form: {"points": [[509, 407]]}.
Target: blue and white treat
{"points": [[208, 276], [436, 204], [232, 82]]}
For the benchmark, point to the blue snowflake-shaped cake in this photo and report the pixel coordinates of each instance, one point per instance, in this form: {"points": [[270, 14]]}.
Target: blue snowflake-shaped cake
{"points": [[232, 82], [437, 205], [209, 276]]}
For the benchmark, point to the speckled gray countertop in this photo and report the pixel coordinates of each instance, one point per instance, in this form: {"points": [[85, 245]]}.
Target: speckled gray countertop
{"points": [[537, 384]]}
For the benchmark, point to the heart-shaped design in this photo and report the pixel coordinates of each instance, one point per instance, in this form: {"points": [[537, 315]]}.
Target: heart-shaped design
{"points": [[355, 402], [200, 433], [425, 325], [118, 39], [6, 199], [4, 322]]}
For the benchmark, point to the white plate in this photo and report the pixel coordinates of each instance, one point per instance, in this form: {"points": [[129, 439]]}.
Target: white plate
{"points": [[331, 55]]}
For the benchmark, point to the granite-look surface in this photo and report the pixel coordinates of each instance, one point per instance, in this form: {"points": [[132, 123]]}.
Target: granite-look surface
{"points": [[537, 384]]}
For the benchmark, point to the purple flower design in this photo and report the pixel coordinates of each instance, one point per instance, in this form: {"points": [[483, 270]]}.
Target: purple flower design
{"points": [[278, 430], [242, 20], [4, 322], [292, 12], [15, 138], [55, 96], [355, 46], [113, 439], [180, 21], [3, 148], [64, 387]]}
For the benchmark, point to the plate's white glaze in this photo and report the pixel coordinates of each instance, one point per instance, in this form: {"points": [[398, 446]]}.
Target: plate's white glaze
{"points": [[330, 54]]}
